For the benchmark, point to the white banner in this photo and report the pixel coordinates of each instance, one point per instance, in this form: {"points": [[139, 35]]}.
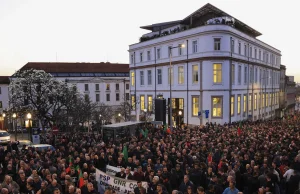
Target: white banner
{"points": [[111, 170], [121, 186]]}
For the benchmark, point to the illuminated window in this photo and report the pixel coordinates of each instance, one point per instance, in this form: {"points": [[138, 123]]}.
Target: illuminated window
{"points": [[142, 102], [267, 99], [180, 103], [195, 109], [170, 75], [232, 105], [250, 102], [217, 104], [150, 103], [195, 74], [132, 78], [239, 104], [107, 86], [217, 73], [133, 102], [255, 101], [180, 75], [263, 100], [245, 103]]}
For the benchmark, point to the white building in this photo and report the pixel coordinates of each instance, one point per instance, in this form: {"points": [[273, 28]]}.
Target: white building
{"points": [[223, 68], [4, 99], [106, 83]]}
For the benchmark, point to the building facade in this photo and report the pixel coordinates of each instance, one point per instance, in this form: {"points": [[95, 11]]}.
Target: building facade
{"points": [[222, 68], [4, 99], [104, 83], [291, 95]]}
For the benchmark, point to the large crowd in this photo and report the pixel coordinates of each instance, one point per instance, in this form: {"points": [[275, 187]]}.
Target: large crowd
{"points": [[262, 157]]}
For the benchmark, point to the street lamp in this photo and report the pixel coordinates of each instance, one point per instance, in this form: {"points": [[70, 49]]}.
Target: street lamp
{"points": [[29, 116], [179, 120], [14, 116], [3, 118], [170, 79]]}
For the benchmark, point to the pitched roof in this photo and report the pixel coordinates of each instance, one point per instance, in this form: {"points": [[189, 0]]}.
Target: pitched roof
{"points": [[4, 79], [63, 67]]}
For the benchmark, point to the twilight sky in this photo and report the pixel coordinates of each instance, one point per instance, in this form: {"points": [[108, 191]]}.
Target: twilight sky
{"points": [[98, 30]]}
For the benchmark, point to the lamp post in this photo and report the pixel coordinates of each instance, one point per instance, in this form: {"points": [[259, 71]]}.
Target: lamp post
{"points": [[145, 113], [100, 117], [29, 116], [3, 119], [119, 115], [170, 79], [179, 120], [14, 116]]}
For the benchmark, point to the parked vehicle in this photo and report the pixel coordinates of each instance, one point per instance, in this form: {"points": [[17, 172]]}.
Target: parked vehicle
{"points": [[4, 137], [42, 147]]}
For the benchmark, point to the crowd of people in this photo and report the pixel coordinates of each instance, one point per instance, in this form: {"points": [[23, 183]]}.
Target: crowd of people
{"points": [[261, 157]]}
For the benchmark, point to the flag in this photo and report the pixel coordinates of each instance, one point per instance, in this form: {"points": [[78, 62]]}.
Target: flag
{"points": [[125, 153], [142, 133], [70, 165], [146, 133], [80, 179], [165, 128], [239, 129]]}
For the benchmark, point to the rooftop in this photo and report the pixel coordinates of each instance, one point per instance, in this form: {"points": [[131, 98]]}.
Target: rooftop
{"points": [[63, 69], [4, 79], [206, 15]]}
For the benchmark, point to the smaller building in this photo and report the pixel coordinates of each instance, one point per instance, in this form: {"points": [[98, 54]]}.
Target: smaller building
{"points": [[290, 95], [4, 98]]}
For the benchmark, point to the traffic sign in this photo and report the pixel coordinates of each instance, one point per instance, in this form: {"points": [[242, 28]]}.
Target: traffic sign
{"points": [[199, 113], [206, 114]]}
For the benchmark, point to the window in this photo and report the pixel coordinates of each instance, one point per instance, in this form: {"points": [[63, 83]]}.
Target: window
{"points": [[267, 58], [127, 86], [263, 100], [259, 53], [132, 58], [149, 75], [0, 90], [245, 75], [107, 97], [195, 108], [195, 46], [180, 103], [240, 48], [159, 76], [250, 102], [232, 46], [170, 75], [170, 51], [217, 44], [86, 87], [142, 102], [117, 96], [255, 53], [267, 99], [141, 57], [239, 74], [251, 75], [132, 78], [97, 87], [217, 73], [232, 105], [232, 74], [133, 102], [239, 104], [117, 86], [180, 75], [195, 74], [150, 103], [245, 50], [255, 75], [142, 78], [1, 104], [107, 86], [180, 49], [97, 97], [250, 52], [255, 101], [148, 55], [158, 53], [217, 106], [127, 96], [245, 103]]}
